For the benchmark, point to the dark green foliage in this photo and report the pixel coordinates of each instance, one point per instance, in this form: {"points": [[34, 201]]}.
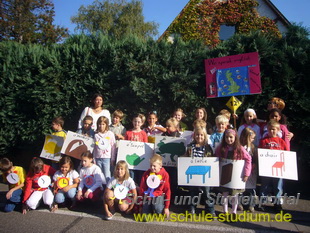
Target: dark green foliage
{"points": [[138, 76]]}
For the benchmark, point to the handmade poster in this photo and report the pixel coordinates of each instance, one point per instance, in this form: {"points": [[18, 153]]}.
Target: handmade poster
{"points": [[52, 147], [75, 144], [170, 148], [198, 171], [233, 75], [136, 154], [278, 164], [231, 173], [188, 135]]}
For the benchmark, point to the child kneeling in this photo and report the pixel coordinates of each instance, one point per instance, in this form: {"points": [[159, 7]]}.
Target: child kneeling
{"points": [[119, 187], [155, 185]]}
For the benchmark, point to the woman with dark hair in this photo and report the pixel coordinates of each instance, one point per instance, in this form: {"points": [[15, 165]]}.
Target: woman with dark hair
{"points": [[96, 110]]}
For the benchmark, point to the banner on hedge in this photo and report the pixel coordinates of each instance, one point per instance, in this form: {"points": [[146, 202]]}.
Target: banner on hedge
{"points": [[136, 154], [52, 147], [277, 164], [233, 75], [75, 144], [170, 148], [198, 171]]}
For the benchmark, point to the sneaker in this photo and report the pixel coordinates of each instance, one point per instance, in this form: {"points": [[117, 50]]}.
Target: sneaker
{"points": [[240, 207], [192, 210], [109, 217], [251, 209]]}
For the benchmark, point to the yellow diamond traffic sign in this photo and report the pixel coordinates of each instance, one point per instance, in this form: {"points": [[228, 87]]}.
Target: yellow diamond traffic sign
{"points": [[233, 103]]}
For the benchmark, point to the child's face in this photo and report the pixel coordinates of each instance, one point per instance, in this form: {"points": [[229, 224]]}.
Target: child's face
{"points": [[199, 137], [98, 102], [252, 137], [155, 167], [271, 105], [230, 138], [137, 123], [249, 117], [102, 127], [221, 126], [87, 162], [152, 119], [171, 128], [273, 131], [116, 120], [276, 116], [178, 115], [10, 171], [87, 124], [56, 127], [199, 114], [65, 168], [120, 170]]}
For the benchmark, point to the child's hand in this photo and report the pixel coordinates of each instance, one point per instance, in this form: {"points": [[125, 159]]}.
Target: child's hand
{"points": [[25, 208], [289, 136], [86, 194], [66, 189], [9, 194], [79, 195], [245, 179], [166, 212]]}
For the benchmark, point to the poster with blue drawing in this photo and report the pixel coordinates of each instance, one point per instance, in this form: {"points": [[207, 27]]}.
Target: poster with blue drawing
{"points": [[198, 171], [170, 148], [233, 81]]}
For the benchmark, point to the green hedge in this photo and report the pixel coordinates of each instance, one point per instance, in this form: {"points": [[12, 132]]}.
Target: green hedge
{"points": [[39, 83]]}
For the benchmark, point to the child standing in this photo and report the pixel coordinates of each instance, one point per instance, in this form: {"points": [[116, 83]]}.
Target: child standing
{"points": [[104, 151], [179, 114], [283, 133], [153, 128], [230, 148], [201, 114], [57, 126], [172, 126], [66, 181], [86, 129], [16, 183], [159, 197], [273, 142], [36, 176], [116, 127], [90, 186], [200, 148], [121, 177], [137, 134], [221, 124], [246, 140], [249, 120]]}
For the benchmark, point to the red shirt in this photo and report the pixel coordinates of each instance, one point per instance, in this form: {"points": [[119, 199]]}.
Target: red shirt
{"points": [[136, 136], [275, 143], [164, 186]]}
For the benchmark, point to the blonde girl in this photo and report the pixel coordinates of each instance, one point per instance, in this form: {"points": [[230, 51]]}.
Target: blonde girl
{"points": [[249, 120], [136, 133], [104, 151], [120, 178], [179, 115], [230, 148]]}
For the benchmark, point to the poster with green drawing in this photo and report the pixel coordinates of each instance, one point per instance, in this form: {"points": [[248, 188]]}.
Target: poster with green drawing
{"points": [[136, 154], [170, 148]]}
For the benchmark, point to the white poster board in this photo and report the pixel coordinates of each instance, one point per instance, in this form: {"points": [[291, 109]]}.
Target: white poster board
{"points": [[136, 154], [188, 135], [52, 147], [170, 148], [232, 173], [198, 171], [277, 164], [75, 144]]}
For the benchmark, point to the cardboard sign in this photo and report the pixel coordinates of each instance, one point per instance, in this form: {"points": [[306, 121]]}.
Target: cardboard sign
{"points": [[52, 147], [232, 173], [12, 178], [75, 144], [233, 75], [170, 148], [233, 103], [44, 181], [136, 154], [277, 164], [198, 171], [188, 135]]}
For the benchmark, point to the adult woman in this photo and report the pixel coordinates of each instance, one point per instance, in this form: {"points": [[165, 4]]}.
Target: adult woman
{"points": [[96, 110]]}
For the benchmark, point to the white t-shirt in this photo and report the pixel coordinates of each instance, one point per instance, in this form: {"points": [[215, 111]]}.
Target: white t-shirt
{"points": [[129, 183], [89, 111], [96, 173], [71, 176]]}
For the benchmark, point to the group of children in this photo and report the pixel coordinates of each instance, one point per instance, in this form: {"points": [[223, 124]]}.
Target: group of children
{"points": [[94, 170]]}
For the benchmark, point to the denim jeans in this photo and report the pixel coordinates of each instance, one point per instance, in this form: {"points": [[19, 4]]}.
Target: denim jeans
{"points": [[104, 164], [209, 200], [273, 186], [13, 201], [154, 204], [60, 197]]}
